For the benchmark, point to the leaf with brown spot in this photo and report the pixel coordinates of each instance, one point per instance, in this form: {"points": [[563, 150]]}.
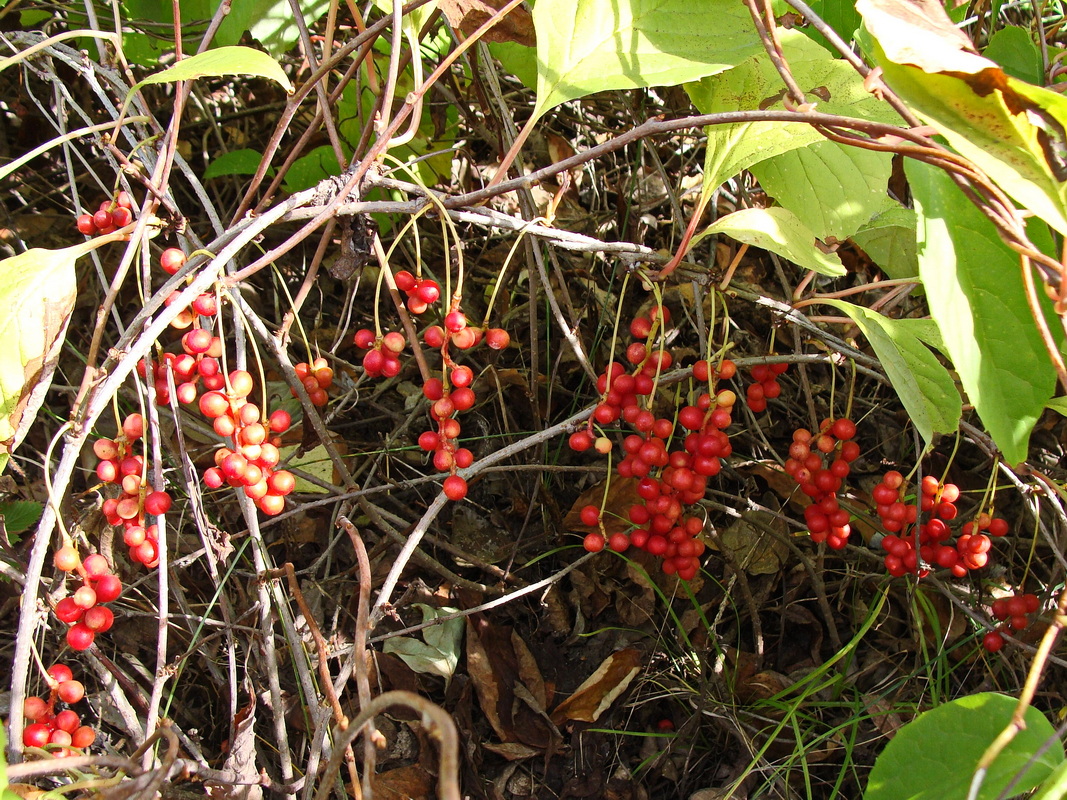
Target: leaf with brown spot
{"points": [[466, 16], [600, 689]]}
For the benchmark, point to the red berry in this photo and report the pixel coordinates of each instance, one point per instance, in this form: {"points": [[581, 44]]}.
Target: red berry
{"points": [[96, 566], [497, 338], [67, 720], [70, 691], [843, 429], [157, 503], [171, 260], [82, 737], [86, 225], [36, 735], [61, 673], [66, 559], [98, 619], [455, 487], [34, 708], [992, 641], [80, 637], [102, 219], [590, 515], [121, 217], [594, 542]]}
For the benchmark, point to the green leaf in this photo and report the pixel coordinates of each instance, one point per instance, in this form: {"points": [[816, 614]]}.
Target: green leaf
{"points": [[755, 84], [912, 766], [314, 462], [1010, 129], [236, 162], [777, 230], [1013, 48], [519, 60], [838, 14], [1055, 786], [235, 60], [37, 291], [307, 171], [19, 515], [975, 291], [832, 188], [889, 239], [270, 22], [438, 653], [923, 384], [586, 46]]}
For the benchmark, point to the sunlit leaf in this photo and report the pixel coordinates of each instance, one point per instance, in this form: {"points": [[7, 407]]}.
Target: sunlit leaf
{"points": [[234, 60], [921, 381], [975, 291], [586, 46], [777, 230]]}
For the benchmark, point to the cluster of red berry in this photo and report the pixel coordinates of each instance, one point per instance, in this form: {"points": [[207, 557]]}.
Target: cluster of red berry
{"points": [[820, 465], [204, 305], [84, 610], [451, 394], [250, 463], [765, 385], [382, 359], [422, 292], [317, 378], [119, 464], [63, 729], [198, 363], [938, 502], [667, 481], [110, 216], [1014, 612]]}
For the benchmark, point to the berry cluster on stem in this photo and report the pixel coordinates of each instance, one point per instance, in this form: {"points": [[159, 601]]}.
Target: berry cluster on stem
{"points": [[919, 537], [58, 730], [85, 610], [1015, 613], [668, 481], [122, 465], [764, 385], [251, 462], [820, 464], [110, 216]]}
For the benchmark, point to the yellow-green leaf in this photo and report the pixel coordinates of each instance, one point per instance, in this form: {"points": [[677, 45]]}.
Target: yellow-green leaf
{"points": [[37, 291], [234, 60], [779, 231]]}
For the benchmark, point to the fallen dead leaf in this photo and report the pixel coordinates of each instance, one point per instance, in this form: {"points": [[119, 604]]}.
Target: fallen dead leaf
{"points": [[600, 689], [466, 16], [403, 783]]}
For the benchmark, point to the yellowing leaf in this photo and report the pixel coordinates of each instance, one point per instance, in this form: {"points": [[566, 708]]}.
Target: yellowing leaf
{"points": [[37, 292], [779, 231], [233, 60]]}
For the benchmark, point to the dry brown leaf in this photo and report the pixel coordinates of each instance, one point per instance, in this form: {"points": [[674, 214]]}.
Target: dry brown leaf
{"points": [[241, 760], [529, 671], [755, 550], [466, 16], [622, 493], [404, 783], [600, 689], [494, 668], [512, 751]]}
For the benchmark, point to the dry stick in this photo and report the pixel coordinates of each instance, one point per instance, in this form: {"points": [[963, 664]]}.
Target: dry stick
{"points": [[321, 85], [495, 603], [324, 667], [766, 31], [359, 647], [1033, 678], [439, 726]]}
